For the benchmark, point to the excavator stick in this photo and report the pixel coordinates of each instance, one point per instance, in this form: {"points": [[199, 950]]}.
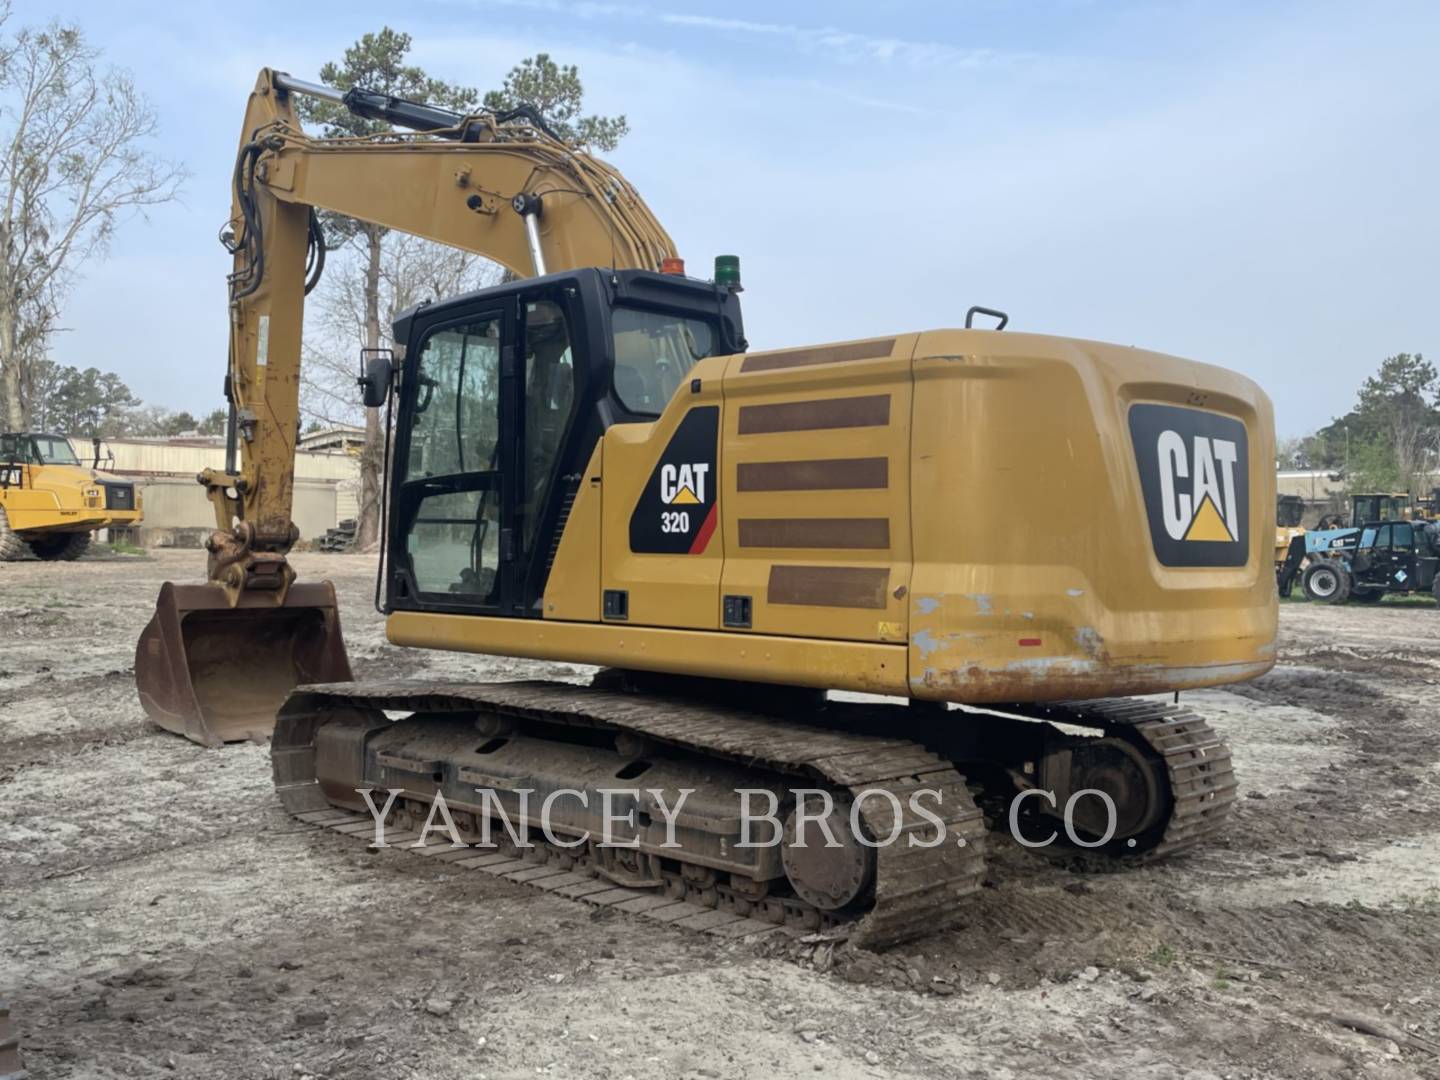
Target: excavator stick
{"points": [[216, 673]]}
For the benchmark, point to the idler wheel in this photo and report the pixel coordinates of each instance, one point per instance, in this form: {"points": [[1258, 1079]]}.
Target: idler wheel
{"points": [[1121, 770]]}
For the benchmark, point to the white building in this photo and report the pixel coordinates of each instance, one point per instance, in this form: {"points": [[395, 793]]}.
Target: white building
{"points": [[177, 513]]}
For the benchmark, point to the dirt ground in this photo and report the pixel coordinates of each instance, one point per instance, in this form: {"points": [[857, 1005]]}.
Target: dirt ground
{"points": [[163, 917]]}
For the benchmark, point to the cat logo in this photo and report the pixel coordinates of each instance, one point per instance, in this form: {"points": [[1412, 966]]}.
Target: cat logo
{"points": [[683, 485], [1195, 477], [677, 512], [1196, 515]]}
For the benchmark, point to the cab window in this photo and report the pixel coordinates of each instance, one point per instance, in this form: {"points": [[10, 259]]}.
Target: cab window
{"points": [[452, 543], [457, 414], [654, 353], [53, 450], [1404, 536]]}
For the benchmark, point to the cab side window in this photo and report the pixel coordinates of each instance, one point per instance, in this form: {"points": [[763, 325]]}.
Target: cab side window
{"points": [[549, 397]]}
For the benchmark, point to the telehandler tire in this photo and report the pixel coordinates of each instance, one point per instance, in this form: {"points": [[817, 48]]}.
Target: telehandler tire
{"points": [[1326, 582], [1367, 596], [66, 546], [12, 547]]}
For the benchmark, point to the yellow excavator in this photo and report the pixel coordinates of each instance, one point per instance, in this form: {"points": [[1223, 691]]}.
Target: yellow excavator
{"points": [[590, 465]]}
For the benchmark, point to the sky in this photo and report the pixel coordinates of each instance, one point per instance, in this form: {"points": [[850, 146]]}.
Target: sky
{"points": [[1248, 184]]}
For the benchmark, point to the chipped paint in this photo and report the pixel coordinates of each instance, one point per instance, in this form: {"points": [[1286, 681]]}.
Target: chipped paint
{"points": [[1027, 615], [983, 604], [925, 642], [928, 605], [1074, 592], [1090, 642], [1057, 678]]}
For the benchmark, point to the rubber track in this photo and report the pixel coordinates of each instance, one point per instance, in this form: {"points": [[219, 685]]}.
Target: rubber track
{"points": [[918, 889], [11, 1067], [1197, 762]]}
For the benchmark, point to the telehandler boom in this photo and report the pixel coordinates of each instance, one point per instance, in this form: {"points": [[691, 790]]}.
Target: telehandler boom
{"points": [[590, 466]]}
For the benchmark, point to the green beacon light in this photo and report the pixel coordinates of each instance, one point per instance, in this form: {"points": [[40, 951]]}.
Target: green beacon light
{"points": [[727, 272]]}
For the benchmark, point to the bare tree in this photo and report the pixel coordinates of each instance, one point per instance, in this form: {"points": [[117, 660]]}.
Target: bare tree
{"points": [[409, 269], [377, 62], [73, 168]]}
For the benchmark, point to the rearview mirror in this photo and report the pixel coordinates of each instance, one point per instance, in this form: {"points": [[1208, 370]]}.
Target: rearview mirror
{"points": [[377, 372]]}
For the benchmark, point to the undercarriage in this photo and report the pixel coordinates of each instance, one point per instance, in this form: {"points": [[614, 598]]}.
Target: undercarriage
{"points": [[736, 809]]}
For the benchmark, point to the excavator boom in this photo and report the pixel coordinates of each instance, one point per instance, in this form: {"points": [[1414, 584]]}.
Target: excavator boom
{"points": [[499, 185]]}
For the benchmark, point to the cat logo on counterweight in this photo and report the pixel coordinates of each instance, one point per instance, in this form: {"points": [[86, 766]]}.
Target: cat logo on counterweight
{"points": [[1195, 476]]}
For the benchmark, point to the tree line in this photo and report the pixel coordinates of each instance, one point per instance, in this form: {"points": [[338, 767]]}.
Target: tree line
{"points": [[1389, 440], [69, 401]]}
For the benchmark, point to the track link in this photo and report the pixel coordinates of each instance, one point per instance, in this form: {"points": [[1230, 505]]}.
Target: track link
{"points": [[918, 889]]}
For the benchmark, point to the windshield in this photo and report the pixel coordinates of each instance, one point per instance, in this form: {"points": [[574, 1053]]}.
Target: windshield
{"points": [[654, 353], [54, 450], [37, 450]]}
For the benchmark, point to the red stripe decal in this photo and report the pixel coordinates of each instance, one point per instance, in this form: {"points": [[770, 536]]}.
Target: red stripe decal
{"points": [[702, 538], [1029, 641]]}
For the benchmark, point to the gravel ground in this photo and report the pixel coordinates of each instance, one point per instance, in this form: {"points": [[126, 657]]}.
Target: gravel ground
{"points": [[163, 917]]}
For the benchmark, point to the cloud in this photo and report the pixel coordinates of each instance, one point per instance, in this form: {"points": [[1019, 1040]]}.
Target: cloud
{"points": [[847, 46], [827, 41]]}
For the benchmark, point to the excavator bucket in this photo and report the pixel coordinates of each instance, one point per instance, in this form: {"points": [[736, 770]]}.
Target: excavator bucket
{"points": [[217, 674]]}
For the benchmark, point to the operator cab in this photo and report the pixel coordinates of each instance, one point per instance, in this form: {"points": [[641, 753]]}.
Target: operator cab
{"points": [[503, 395], [1289, 511], [37, 449], [1388, 506]]}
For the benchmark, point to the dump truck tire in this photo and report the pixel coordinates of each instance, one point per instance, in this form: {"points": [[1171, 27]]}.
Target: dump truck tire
{"points": [[1326, 582], [11, 546], [11, 1066], [67, 546]]}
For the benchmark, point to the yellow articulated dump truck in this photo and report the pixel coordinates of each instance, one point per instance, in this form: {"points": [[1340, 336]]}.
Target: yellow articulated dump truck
{"points": [[50, 503], [1025, 544]]}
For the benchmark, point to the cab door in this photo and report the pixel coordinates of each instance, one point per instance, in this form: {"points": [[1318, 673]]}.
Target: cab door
{"points": [[1400, 563], [485, 450], [452, 544]]}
